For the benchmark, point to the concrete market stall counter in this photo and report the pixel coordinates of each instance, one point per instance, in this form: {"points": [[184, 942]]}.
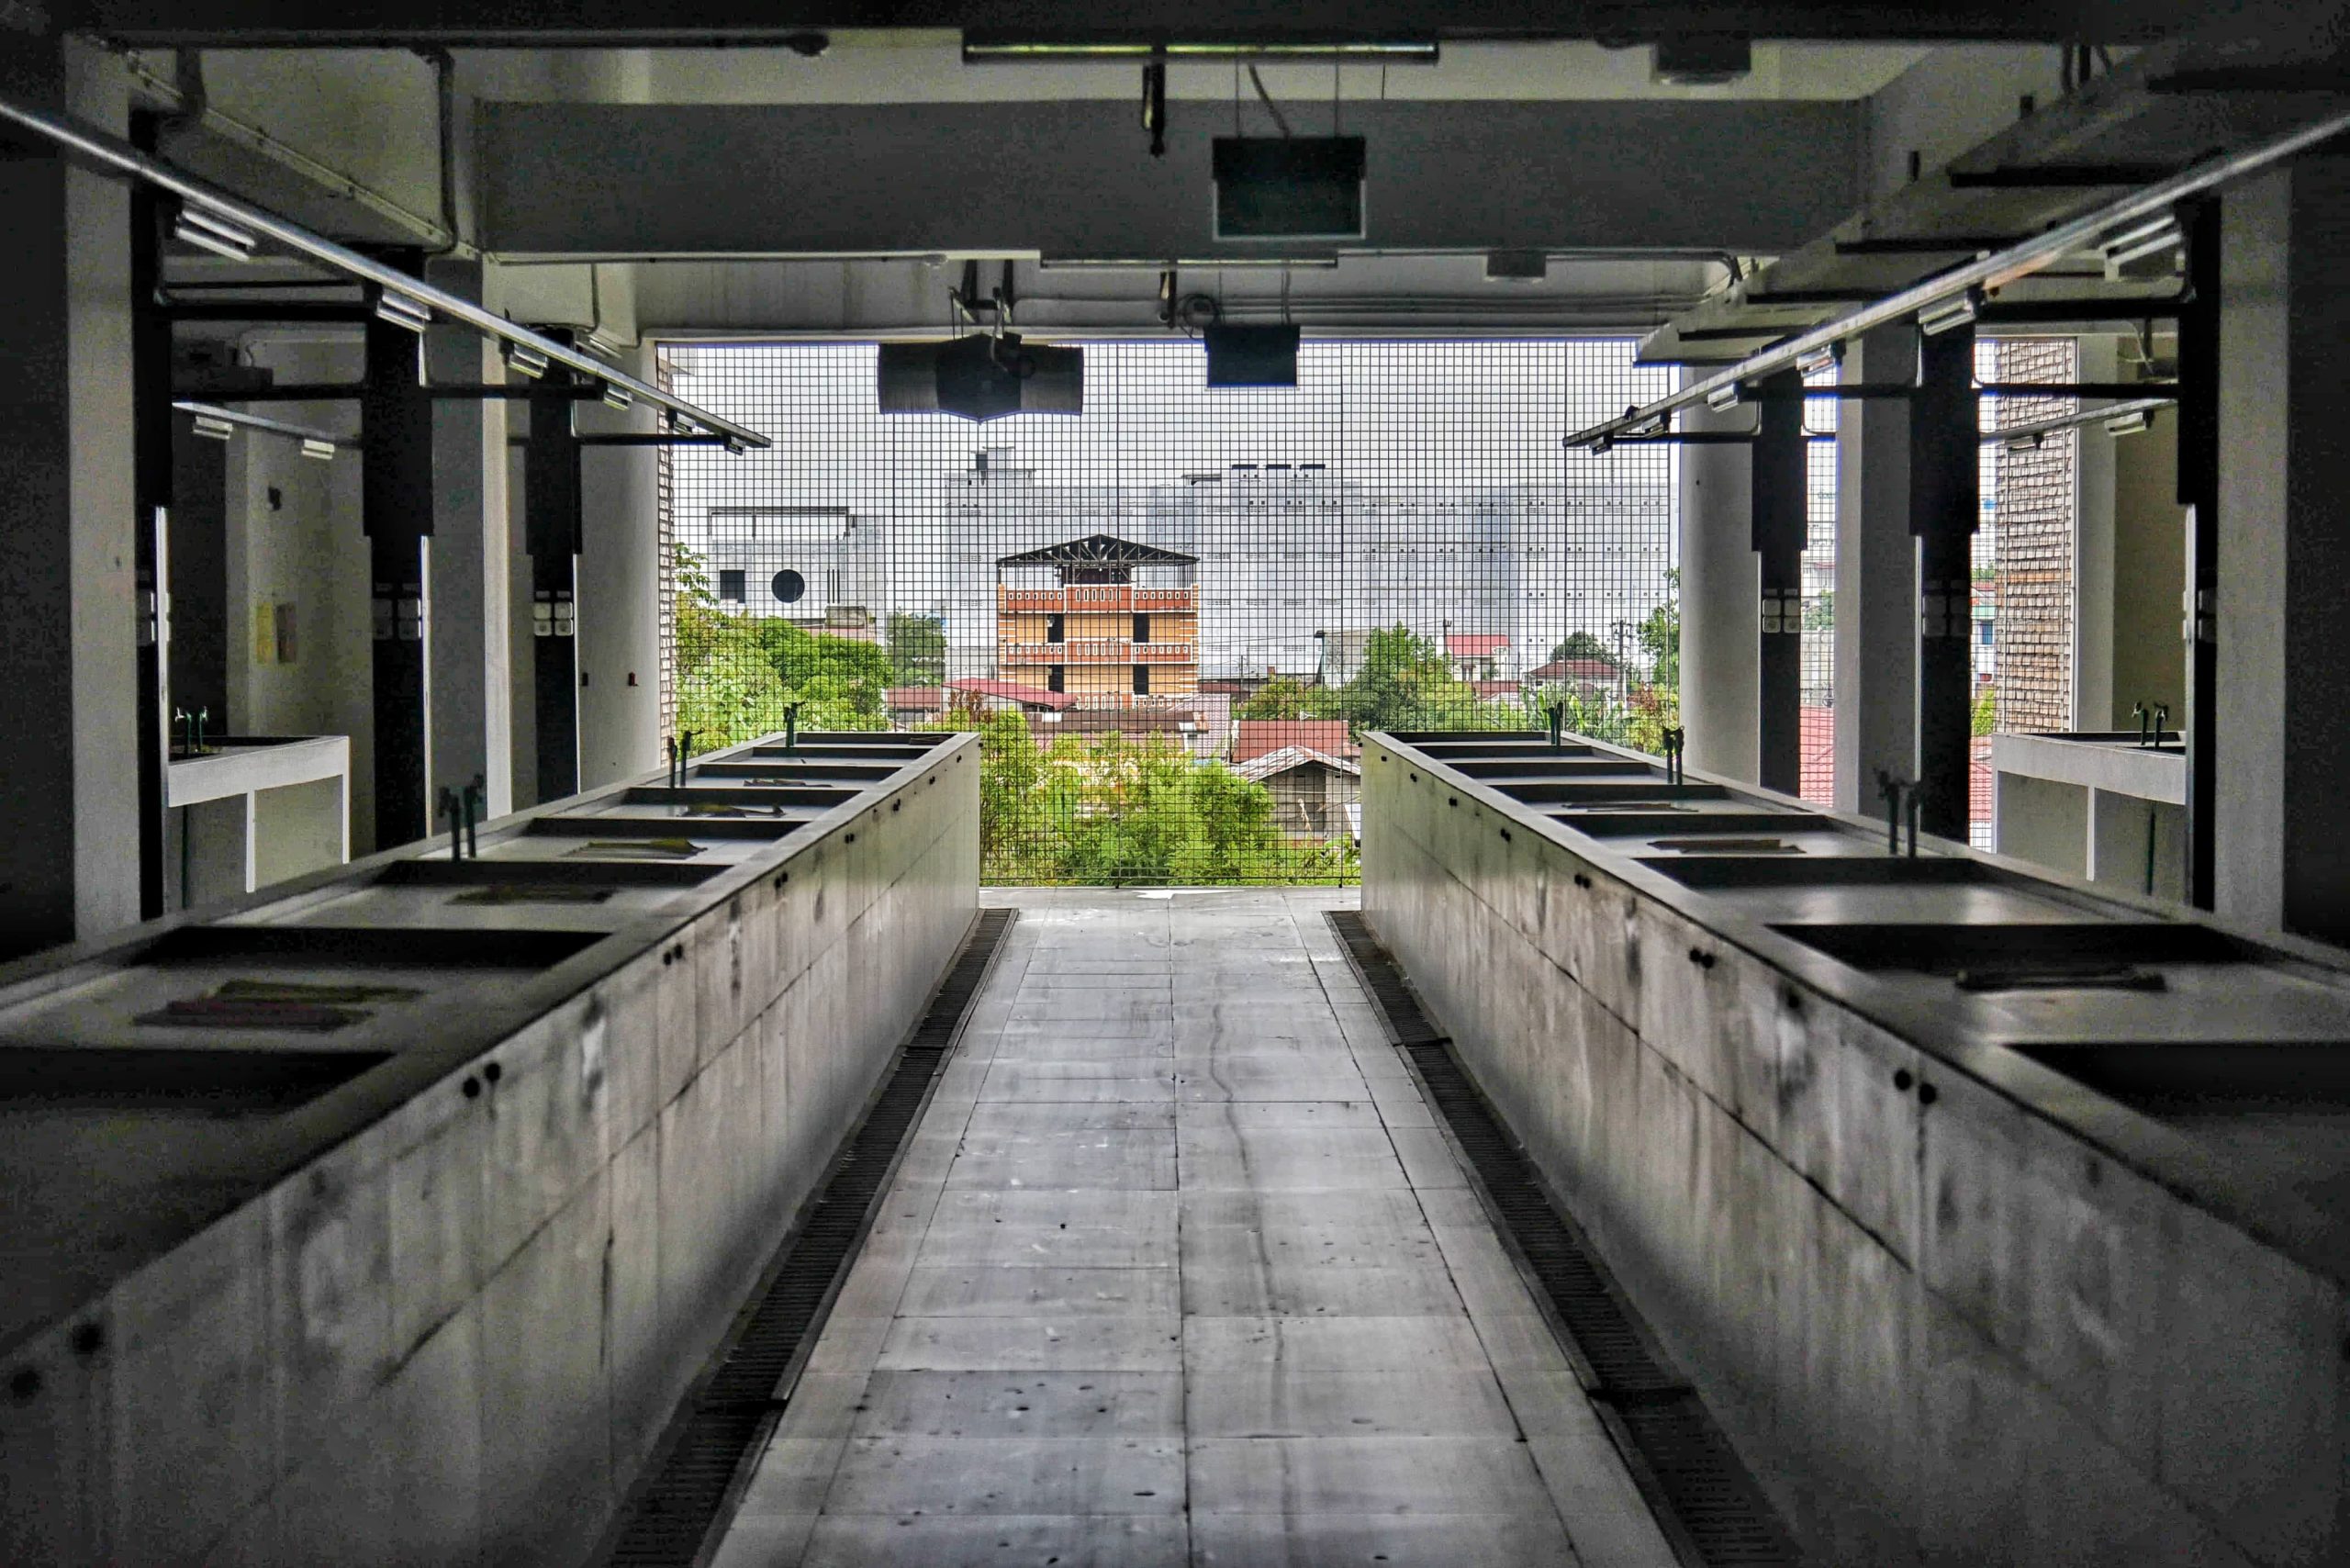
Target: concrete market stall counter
{"points": [[384, 1215], [2000, 1217]]}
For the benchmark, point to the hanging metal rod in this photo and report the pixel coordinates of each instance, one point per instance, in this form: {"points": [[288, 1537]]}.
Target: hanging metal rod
{"points": [[257, 422], [2075, 422], [116, 156], [2001, 267]]}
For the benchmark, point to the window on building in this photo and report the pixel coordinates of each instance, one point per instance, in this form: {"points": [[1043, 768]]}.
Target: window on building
{"points": [[1142, 680], [1057, 678], [1056, 629], [731, 586], [1142, 628]]}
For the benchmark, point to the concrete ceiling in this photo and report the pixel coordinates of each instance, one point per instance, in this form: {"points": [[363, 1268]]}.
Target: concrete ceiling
{"points": [[925, 66]]}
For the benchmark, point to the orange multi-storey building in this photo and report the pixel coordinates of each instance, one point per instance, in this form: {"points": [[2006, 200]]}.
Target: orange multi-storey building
{"points": [[1114, 622]]}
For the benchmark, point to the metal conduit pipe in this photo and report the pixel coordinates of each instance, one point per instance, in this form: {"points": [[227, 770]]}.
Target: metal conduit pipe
{"points": [[2018, 260], [113, 155]]}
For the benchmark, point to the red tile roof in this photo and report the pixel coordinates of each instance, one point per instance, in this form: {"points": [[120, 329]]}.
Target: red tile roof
{"points": [[1013, 692], [1474, 645], [1253, 738], [915, 697]]}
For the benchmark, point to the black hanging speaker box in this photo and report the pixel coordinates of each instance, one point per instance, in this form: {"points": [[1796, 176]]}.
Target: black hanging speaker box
{"points": [[1251, 356], [1288, 187]]}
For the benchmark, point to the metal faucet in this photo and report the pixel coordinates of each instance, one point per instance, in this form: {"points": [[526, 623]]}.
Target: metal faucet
{"points": [[671, 743], [1557, 711], [448, 807], [790, 728], [2162, 720], [186, 721], [1900, 800], [1676, 741], [477, 804], [2137, 711]]}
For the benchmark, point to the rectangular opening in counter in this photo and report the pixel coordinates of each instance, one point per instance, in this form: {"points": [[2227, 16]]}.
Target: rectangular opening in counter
{"points": [[364, 947], [665, 832], [2033, 952], [544, 873], [226, 1082]]}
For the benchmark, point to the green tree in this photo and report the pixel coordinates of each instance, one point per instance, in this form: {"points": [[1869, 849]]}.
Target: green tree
{"points": [[1584, 646], [1820, 615], [1407, 683], [1987, 710], [1284, 697], [917, 649], [1659, 638]]}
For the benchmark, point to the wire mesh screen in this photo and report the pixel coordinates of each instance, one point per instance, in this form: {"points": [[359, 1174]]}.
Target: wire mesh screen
{"points": [[1174, 616], [1818, 677], [2023, 558]]}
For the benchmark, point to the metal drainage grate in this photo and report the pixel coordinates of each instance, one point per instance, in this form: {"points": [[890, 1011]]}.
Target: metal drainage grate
{"points": [[722, 1423], [1704, 1496]]}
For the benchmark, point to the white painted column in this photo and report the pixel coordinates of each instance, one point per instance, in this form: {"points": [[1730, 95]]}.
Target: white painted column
{"points": [[472, 689], [619, 629], [1876, 578], [1721, 623]]}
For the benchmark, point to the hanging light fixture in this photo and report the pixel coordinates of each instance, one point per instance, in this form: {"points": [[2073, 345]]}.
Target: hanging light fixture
{"points": [[211, 427]]}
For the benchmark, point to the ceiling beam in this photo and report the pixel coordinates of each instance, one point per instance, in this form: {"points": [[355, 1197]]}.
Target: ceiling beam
{"points": [[414, 301], [645, 23], [2017, 262]]}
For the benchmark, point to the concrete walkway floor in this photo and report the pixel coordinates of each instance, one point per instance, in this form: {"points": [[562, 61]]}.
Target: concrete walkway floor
{"points": [[1179, 1268]]}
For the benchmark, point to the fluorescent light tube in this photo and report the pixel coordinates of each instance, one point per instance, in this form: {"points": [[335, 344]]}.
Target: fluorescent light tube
{"points": [[2130, 423], [205, 231], [401, 312], [321, 450], [1812, 361], [1950, 313], [211, 427]]}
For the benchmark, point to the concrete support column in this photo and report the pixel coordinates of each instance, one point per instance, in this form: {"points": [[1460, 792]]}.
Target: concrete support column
{"points": [[2281, 814], [1779, 486], [396, 464], [472, 696], [551, 501], [1876, 576], [2093, 528], [69, 860], [619, 610], [1945, 504], [1720, 605]]}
